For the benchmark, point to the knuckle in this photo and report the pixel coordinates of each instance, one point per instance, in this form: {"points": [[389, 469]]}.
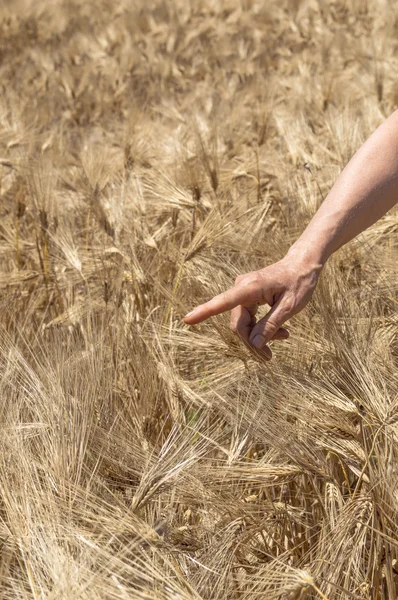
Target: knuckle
{"points": [[256, 277], [288, 306], [251, 283], [244, 280], [252, 279], [248, 278], [271, 326]]}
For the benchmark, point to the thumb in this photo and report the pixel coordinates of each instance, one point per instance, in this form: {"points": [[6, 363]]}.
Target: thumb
{"points": [[266, 328]]}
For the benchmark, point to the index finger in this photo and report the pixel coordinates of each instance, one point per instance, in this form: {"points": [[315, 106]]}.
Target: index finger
{"points": [[245, 294]]}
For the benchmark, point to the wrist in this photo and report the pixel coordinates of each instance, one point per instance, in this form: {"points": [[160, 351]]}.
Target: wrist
{"points": [[306, 257]]}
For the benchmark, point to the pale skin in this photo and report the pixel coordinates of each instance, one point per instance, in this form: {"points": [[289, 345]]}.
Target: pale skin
{"points": [[365, 190]]}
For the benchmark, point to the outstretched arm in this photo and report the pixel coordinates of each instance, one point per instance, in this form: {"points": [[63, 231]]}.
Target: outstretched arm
{"points": [[365, 190]]}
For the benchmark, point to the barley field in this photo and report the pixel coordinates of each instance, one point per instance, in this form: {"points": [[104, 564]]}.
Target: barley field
{"points": [[150, 152]]}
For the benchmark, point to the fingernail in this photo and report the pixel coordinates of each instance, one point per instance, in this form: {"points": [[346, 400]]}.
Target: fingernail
{"points": [[258, 341], [266, 353], [190, 313]]}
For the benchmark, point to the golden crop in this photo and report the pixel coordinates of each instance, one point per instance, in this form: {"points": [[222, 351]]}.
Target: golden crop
{"points": [[151, 151]]}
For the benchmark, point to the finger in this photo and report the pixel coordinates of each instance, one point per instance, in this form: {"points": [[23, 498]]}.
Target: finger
{"points": [[243, 316], [242, 324], [267, 327], [281, 334], [242, 321], [244, 294]]}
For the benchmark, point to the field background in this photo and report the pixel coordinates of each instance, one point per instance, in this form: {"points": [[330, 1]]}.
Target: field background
{"points": [[151, 151]]}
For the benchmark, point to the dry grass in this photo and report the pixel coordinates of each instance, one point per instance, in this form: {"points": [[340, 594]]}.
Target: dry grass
{"points": [[150, 151]]}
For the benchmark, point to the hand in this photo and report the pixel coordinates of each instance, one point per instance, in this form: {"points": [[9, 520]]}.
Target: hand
{"points": [[286, 286]]}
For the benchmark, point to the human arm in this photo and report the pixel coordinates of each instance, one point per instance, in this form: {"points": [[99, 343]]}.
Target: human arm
{"points": [[365, 190]]}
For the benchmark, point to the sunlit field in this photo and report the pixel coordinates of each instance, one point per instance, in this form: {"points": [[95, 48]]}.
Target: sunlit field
{"points": [[150, 152]]}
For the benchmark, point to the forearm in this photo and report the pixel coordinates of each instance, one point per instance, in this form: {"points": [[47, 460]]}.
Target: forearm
{"points": [[365, 190]]}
